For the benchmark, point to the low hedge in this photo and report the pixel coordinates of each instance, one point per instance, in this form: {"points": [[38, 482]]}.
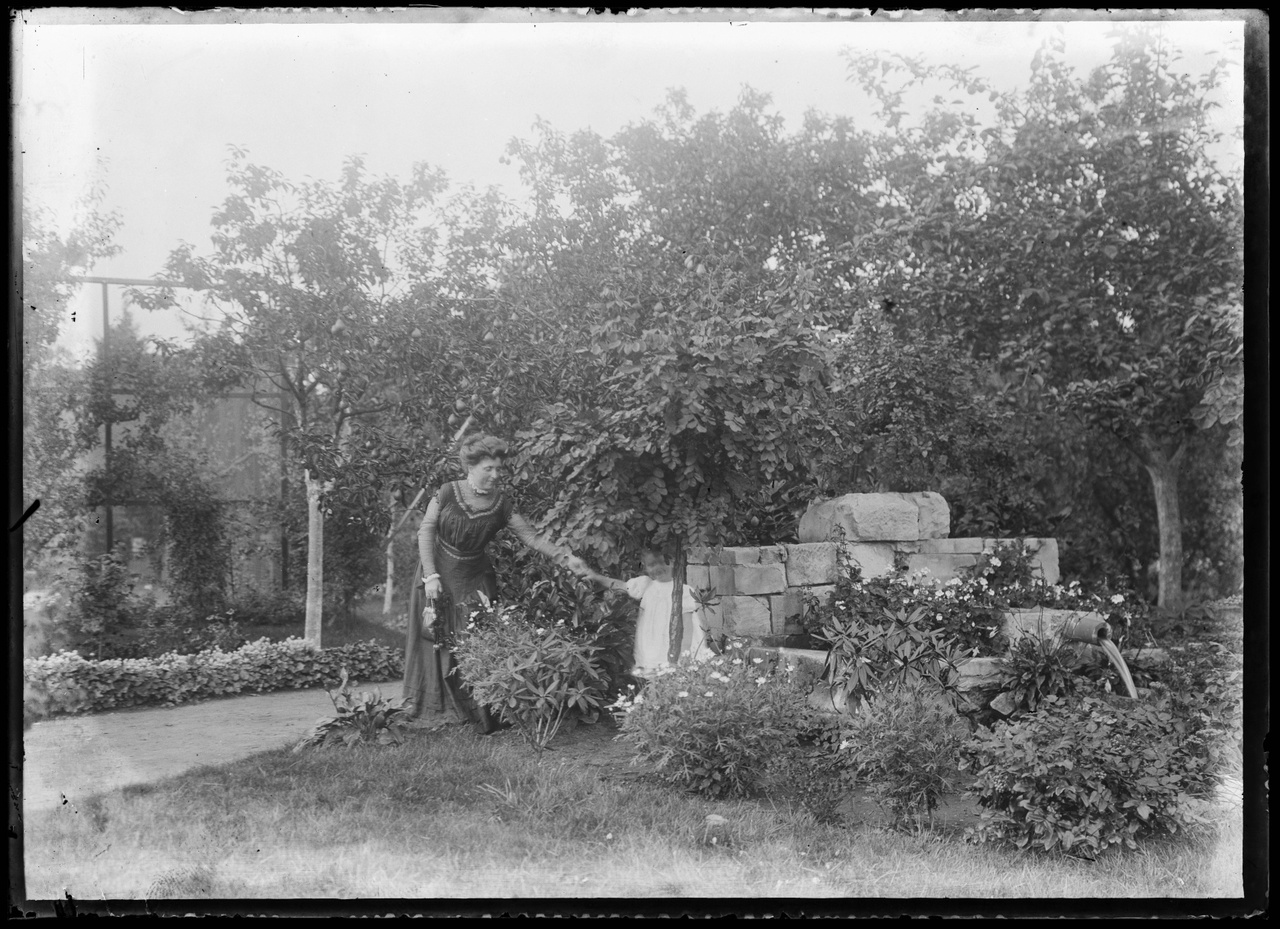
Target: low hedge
{"points": [[67, 683]]}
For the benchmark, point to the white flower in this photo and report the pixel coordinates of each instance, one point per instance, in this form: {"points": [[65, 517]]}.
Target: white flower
{"points": [[983, 581], [1118, 598], [639, 700], [737, 661], [683, 693], [1074, 584], [996, 562], [757, 660], [938, 617], [538, 631], [762, 680], [709, 694], [845, 744]]}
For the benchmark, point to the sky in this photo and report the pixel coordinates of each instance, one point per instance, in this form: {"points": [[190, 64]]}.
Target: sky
{"points": [[146, 103]]}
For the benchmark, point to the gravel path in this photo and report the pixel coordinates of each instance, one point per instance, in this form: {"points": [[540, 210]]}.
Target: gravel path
{"points": [[68, 759]]}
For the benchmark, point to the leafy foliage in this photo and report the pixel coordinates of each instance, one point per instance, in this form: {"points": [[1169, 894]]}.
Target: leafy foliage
{"points": [[50, 380], [534, 677], [907, 750], [1081, 776], [361, 717], [714, 727], [68, 683], [1036, 668]]}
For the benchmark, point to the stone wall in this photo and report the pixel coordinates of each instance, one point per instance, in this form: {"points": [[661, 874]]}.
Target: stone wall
{"points": [[761, 588]]}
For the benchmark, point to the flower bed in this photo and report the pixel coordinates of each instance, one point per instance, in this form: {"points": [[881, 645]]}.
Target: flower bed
{"points": [[67, 683]]}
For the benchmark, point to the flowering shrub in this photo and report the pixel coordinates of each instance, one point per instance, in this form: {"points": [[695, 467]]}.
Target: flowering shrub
{"points": [[69, 683], [966, 611], [908, 752], [532, 676], [362, 717], [1086, 774], [714, 726]]}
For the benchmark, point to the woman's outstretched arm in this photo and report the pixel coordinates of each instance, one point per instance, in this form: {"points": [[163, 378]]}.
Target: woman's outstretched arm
{"points": [[560, 554]]}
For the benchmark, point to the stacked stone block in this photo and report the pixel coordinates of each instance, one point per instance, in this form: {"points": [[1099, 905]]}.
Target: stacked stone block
{"points": [[761, 588]]}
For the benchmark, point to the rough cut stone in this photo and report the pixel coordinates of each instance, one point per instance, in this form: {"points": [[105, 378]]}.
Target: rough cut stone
{"points": [[722, 579], [824, 592], [746, 615], [951, 547], [772, 554], [787, 608], [940, 567], [697, 575], [1044, 623], [874, 558], [812, 563], [877, 518], [1004, 704], [935, 514], [740, 555], [759, 578], [863, 518]]}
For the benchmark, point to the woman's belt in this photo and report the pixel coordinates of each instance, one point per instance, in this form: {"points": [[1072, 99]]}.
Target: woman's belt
{"points": [[458, 554]]}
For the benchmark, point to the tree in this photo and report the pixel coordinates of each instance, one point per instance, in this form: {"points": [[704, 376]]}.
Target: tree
{"points": [[49, 377], [1085, 244], [310, 282]]}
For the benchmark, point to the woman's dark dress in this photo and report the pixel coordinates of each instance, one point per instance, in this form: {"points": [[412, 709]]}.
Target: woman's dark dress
{"points": [[431, 681]]}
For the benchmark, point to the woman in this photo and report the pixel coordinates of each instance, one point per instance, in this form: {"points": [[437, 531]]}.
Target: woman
{"points": [[454, 572]]}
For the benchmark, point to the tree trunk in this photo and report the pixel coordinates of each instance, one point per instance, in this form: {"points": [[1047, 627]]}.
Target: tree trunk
{"points": [[391, 563], [677, 603], [1164, 469], [315, 560]]}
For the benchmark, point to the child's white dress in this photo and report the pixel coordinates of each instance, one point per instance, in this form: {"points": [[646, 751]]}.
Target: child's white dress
{"points": [[653, 625]]}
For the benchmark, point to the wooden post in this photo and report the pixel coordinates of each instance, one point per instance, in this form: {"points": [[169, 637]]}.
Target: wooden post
{"points": [[315, 561]]}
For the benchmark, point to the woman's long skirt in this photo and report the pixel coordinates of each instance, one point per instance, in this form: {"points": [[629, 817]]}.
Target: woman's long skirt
{"points": [[432, 682]]}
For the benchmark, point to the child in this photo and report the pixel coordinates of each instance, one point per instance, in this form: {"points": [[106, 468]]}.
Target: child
{"points": [[653, 625]]}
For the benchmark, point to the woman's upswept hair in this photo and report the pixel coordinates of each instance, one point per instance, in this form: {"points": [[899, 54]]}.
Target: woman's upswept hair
{"points": [[475, 448]]}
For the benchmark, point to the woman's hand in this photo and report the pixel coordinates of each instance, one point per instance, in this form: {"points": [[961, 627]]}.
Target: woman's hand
{"points": [[431, 586]]}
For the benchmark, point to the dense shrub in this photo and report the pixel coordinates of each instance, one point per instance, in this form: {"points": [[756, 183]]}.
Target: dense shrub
{"points": [[715, 726], [533, 677], [107, 610], [907, 750], [269, 608], [1082, 775], [548, 594], [68, 683], [869, 655]]}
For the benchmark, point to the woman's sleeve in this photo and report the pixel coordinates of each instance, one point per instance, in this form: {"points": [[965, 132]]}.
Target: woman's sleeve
{"points": [[427, 537], [638, 585], [525, 533]]}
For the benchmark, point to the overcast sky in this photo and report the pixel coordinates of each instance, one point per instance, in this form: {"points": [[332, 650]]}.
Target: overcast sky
{"points": [[149, 110]]}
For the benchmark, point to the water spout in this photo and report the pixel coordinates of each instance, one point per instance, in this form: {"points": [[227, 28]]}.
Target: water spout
{"points": [[1117, 659]]}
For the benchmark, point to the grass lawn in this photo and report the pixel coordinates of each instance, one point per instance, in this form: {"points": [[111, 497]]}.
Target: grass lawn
{"points": [[450, 814]]}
